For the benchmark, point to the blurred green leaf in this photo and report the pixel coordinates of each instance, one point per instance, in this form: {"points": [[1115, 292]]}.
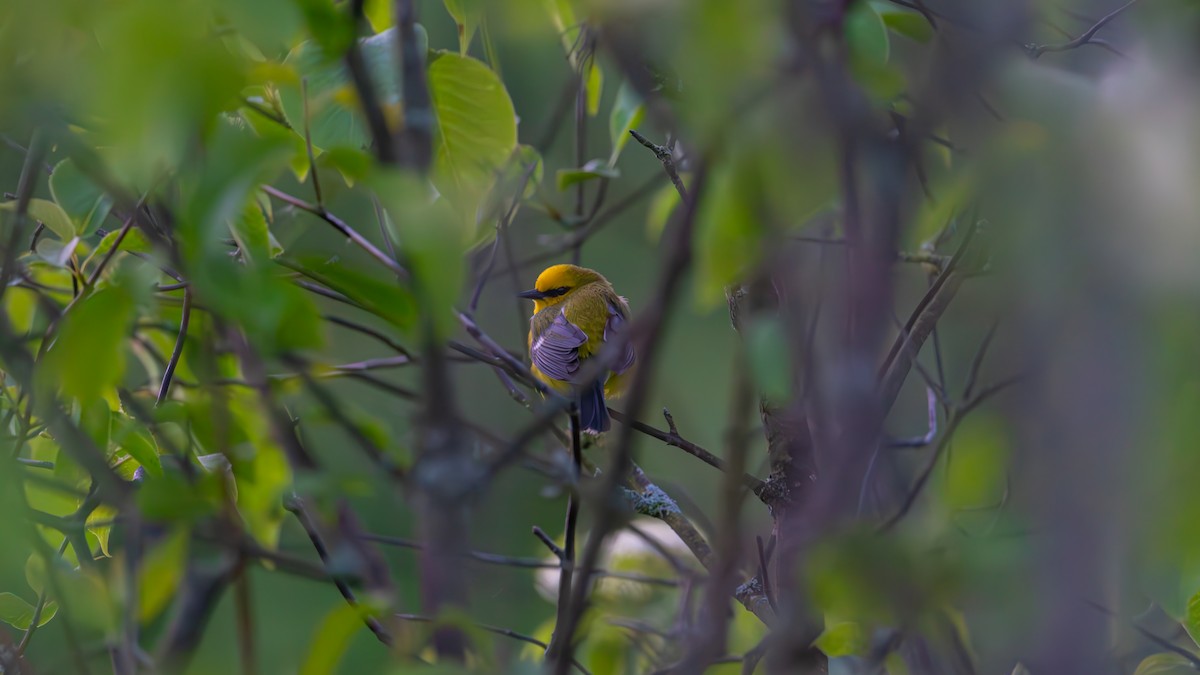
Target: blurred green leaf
{"points": [[137, 442], [330, 26], [161, 573], [476, 130], [35, 572], [276, 316], [1166, 663], [19, 614], [975, 476], [56, 252], [89, 355], [595, 87], [249, 228], [134, 241], [662, 205], [379, 14], [91, 604], [268, 24], [903, 21], [769, 357], [595, 168], [627, 113], [562, 17], [332, 103], [1191, 620], [49, 214], [85, 203], [171, 498], [351, 163], [434, 241], [866, 34], [99, 523], [728, 232], [842, 638], [332, 638], [467, 14], [386, 299], [161, 89]]}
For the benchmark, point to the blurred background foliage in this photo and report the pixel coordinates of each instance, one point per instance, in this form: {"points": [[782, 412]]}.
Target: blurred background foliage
{"points": [[209, 163]]}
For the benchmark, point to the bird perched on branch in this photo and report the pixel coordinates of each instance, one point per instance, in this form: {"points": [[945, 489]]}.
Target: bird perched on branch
{"points": [[576, 313]]}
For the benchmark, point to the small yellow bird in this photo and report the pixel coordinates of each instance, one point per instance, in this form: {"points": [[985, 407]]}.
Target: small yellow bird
{"points": [[575, 312]]}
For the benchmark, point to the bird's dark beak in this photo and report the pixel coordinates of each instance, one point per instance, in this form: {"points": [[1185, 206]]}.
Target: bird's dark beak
{"points": [[532, 294]]}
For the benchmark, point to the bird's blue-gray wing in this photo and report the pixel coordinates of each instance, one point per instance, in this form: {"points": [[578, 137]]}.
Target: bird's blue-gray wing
{"points": [[614, 329], [555, 350]]}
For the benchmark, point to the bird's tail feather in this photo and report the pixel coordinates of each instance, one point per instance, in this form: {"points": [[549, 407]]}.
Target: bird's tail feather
{"points": [[593, 412]]}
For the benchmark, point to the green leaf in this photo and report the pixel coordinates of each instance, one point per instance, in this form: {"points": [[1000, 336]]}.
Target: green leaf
{"points": [[35, 572], [379, 14], [433, 239], [85, 203], [662, 204], [866, 34], [476, 130], [57, 253], [351, 163], [49, 214], [161, 574], [386, 299], [92, 603], [467, 14], [171, 498], [627, 113], [562, 17], [99, 524], [249, 229], [595, 87], [842, 638], [728, 232], [277, 316], [88, 357], [156, 78], [903, 21], [335, 117], [976, 477], [137, 442], [1191, 620], [19, 614], [330, 27], [1166, 663], [134, 241], [595, 168], [770, 358], [331, 639]]}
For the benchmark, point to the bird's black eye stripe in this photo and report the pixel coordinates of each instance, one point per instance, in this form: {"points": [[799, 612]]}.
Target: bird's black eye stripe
{"points": [[555, 292]]}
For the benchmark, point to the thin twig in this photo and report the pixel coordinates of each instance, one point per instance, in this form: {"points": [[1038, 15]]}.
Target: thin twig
{"points": [[1085, 37], [506, 632], [296, 506], [674, 439], [341, 226], [176, 353]]}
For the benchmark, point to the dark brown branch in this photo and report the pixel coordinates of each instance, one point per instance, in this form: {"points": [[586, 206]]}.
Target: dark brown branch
{"points": [[341, 226], [296, 506], [1085, 37], [673, 438], [177, 352], [664, 155], [416, 138], [368, 98], [494, 629]]}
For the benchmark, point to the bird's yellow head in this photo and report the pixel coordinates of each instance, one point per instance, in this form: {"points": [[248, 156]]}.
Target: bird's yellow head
{"points": [[556, 284]]}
